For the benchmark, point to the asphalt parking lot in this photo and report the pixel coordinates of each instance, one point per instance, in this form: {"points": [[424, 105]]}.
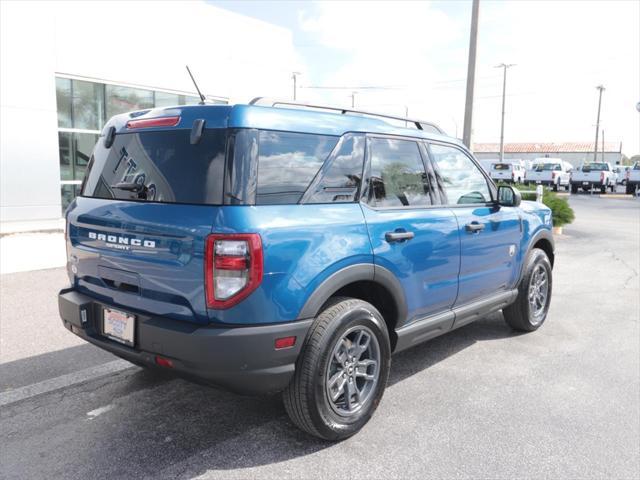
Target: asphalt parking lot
{"points": [[480, 402]]}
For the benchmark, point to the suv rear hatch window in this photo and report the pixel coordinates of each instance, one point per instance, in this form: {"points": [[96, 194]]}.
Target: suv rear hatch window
{"points": [[159, 166]]}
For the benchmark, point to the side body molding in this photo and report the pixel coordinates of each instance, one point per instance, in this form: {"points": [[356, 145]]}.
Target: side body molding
{"points": [[351, 274]]}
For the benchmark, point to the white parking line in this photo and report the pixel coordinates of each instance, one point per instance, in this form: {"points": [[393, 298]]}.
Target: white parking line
{"points": [[63, 381]]}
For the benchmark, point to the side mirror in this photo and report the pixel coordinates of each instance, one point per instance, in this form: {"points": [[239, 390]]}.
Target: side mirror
{"points": [[509, 196]]}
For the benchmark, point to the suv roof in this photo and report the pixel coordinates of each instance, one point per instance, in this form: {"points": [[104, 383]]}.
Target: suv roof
{"points": [[297, 119]]}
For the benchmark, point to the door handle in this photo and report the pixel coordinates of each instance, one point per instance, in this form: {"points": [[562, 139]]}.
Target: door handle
{"points": [[474, 227], [398, 236]]}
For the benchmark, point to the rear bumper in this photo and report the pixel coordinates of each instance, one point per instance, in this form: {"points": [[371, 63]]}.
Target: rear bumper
{"points": [[240, 359], [585, 183]]}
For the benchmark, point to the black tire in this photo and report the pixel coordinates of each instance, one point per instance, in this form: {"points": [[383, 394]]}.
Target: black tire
{"points": [[555, 187], [629, 189], [520, 314], [603, 188], [574, 188], [306, 399]]}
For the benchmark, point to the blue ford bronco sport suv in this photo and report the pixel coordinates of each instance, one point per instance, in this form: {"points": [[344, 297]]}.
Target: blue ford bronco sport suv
{"points": [[279, 248]]}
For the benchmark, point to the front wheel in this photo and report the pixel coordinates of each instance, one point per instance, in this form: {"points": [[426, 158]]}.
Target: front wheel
{"points": [[342, 371], [530, 309]]}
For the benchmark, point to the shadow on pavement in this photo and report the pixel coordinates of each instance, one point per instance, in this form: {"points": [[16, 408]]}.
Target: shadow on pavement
{"points": [[157, 426]]}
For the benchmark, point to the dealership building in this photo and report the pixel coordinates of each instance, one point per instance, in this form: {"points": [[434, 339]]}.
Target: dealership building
{"points": [[69, 66], [575, 153]]}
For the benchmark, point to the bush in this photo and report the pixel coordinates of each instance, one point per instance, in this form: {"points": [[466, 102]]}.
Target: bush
{"points": [[561, 212]]}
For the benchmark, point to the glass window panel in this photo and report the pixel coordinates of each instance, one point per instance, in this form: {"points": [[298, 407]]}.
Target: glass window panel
{"points": [[125, 99], [190, 100], [463, 181], [287, 162], [67, 194], [340, 178], [63, 100], [397, 174], [84, 143], [64, 146], [164, 99], [88, 105]]}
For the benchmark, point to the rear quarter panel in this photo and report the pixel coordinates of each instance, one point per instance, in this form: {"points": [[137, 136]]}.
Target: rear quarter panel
{"points": [[303, 245]]}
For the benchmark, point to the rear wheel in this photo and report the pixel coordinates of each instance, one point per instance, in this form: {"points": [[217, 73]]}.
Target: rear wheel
{"points": [[574, 188], [629, 189], [342, 371], [603, 188], [529, 311], [555, 187]]}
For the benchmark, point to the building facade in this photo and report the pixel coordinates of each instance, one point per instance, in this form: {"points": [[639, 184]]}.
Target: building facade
{"points": [[575, 153], [69, 66]]}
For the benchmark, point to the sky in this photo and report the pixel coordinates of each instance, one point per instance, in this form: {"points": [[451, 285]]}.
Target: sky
{"points": [[412, 56]]}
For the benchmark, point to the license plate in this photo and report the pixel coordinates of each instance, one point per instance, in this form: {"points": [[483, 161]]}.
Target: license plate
{"points": [[585, 183], [118, 326], [538, 181]]}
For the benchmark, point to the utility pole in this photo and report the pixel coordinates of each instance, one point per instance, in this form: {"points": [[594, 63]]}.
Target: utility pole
{"points": [[504, 67], [602, 152], [471, 75], [294, 75], [595, 149], [353, 99]]}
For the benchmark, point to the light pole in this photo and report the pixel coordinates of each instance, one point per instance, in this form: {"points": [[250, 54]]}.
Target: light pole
{"points": [[294, 75], [595, 145], [504, 67], [471, 75], [353, 99]]}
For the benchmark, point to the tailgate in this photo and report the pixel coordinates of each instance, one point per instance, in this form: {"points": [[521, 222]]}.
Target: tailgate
{"points": [[136, 234], [141, 257]]}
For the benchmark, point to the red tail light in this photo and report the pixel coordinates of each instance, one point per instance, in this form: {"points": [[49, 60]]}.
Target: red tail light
{"points": [[233, 268], [153, 122], [601, 177], [553, 175]]}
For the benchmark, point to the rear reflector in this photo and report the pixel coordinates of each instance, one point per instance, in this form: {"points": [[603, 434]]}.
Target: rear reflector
{"points": [[285, 342], [163, 362], [153, 122]]}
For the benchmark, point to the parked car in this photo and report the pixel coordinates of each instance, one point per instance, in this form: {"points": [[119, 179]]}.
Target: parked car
{"points": [[507, 172], [554, 173], [633, 179], [267, 249], [598, 175]]}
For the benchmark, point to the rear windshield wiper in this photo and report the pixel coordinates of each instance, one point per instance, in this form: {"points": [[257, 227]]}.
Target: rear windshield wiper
{"points": [[130, 187]]}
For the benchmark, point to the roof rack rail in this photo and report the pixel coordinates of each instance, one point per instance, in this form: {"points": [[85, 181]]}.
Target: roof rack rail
{"points": [[419, 124]]}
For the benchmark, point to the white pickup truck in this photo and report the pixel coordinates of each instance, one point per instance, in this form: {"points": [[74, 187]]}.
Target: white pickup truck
{"points": [[553, 172], [594, 175], [633, 178]]}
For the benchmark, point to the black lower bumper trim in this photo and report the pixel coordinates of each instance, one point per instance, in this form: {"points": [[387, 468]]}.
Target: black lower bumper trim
{"points": [[241, 359]]}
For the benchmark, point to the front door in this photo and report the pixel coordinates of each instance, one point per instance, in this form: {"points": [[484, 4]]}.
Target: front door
{"points": [[489, 234]]}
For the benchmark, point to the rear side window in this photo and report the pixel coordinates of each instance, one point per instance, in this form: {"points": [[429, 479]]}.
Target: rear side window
{"points": [[159, 167], [340, 179], [501, 166], [287, 163], [397, 176]]}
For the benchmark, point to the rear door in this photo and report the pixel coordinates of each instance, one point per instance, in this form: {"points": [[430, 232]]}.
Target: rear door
{"points": [[136, 234], [489, 234], [411, 233]]}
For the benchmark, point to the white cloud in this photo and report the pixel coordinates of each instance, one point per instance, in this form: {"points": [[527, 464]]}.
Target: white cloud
{"points": [[563, 50]]}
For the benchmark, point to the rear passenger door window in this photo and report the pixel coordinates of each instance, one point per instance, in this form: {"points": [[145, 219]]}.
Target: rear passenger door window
{"points": [[287, 163], [462, 180], [340, 178], [397, 175]]}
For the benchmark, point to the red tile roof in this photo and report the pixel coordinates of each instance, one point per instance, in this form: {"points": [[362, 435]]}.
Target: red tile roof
{"points": [[569, 147]]}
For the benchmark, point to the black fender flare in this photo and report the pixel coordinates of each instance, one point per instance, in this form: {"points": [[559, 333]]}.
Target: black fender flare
{"points": [[541, 234], [355, 273]]}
